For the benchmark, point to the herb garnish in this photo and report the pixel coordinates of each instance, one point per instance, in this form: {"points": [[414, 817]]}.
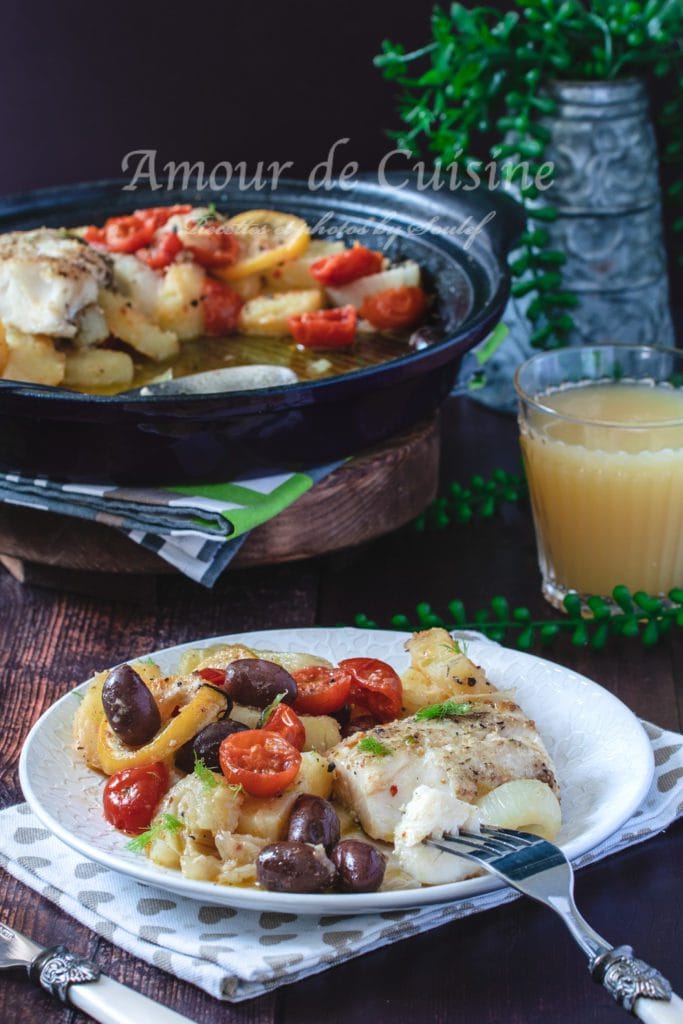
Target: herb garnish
{"points": [[204, 218], [457, 647], [369, 745], [267, 712], [167, 823], [208, 779], [449, 709]]}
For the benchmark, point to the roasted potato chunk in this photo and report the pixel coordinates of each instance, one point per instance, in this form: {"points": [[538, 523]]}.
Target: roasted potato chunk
{"points": [[268, 314], [131, 325], [32, 358], [179, 307], [439, 670], [268, 817], [98, 368]]}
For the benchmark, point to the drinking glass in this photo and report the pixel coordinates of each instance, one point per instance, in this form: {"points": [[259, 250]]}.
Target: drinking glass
{"points": [[601, 431]]}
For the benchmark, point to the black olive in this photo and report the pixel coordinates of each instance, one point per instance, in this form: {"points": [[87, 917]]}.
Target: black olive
{"points": [[205, 745], [360, 865], [130, 707], [257, 683], [294, 867], [313, 820]]}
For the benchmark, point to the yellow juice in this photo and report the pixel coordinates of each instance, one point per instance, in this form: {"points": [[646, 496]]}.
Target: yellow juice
{"points": [[606, 481]]}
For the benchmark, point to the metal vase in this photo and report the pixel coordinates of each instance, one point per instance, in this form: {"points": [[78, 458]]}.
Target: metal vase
{"points": [[607, 193]]}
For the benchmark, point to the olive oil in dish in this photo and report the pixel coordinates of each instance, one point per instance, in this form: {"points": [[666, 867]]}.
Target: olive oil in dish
{"points": [[605, 469]]}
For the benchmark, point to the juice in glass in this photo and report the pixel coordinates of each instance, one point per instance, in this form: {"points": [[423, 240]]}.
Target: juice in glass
{"points": [[601, 431]]}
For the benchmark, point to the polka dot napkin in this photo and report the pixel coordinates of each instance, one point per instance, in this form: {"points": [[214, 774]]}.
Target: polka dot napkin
{"points": [[237, 954]]}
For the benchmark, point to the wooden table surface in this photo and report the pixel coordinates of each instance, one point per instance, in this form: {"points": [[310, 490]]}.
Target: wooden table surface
{"points": [[514, 964]]}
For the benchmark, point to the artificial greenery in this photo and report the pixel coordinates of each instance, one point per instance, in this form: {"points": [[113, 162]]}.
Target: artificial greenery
{"points": [[483, 73], [633, 615], [480, 498]]}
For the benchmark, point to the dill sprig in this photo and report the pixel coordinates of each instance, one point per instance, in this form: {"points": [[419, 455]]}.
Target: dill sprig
{"points": [[634, 615], [208, 779], [370, 745], [210, 214], [448, 709], [166, 823]]}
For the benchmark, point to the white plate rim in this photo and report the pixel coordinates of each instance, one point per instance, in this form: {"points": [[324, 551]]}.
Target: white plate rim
{"points": [[642, 760]]}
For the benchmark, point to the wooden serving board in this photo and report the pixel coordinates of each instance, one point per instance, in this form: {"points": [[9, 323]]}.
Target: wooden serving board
{"points": [[370, 495]]}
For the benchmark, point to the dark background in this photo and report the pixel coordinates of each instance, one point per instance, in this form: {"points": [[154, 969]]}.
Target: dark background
{"points": [[83, 83]]}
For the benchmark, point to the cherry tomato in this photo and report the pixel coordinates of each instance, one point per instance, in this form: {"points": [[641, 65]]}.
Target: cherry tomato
{"points": [[344, 267], [128, 234], [131, 796], [215, 676], [327, 328], [375, 686], [212, 246], [163, 252], [94, 235], [394, 308], [285, 722], [321, 690], [221, 305], [261, 761], [133, 231], [158, 216]]}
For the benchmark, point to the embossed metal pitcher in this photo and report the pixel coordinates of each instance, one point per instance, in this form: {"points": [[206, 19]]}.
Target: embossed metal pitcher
{"points": [[607, 193]]}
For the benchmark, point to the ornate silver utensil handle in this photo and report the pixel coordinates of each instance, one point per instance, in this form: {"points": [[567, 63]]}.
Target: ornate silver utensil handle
{"points": [[74, 981]]}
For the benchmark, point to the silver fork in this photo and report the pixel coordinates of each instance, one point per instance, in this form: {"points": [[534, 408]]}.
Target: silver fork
{"points": [[540, 870]]}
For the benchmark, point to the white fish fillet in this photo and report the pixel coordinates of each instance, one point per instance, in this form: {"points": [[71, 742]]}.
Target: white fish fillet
{"points": [[46, 279], [464, 756], [431, 812]]}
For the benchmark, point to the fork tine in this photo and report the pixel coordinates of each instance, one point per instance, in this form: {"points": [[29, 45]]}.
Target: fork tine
{"points": [[460, 849], [469, 842], [489, 841], [517, 838]]}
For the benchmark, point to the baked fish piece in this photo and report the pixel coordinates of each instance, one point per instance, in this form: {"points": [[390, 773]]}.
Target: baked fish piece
{"points": [[47, 278], [465, 756]]}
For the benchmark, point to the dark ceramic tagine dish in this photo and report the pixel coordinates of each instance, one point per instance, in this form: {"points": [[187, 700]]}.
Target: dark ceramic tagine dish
{"points": [[177, 439]]}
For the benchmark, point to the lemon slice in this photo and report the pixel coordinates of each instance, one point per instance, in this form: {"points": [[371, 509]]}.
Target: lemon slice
{"points": [[266, 238]]}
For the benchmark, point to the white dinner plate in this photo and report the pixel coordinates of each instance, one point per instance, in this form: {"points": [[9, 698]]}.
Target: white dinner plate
{"points": [[603, 758]]}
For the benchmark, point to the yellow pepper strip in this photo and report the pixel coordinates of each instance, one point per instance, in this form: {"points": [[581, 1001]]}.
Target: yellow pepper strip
{"points": [[204, 708], [87, 720], [266, 237]]}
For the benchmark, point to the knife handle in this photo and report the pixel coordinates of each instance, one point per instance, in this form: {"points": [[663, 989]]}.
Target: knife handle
{"points": [[108, 1002], [73, 980], [653, 1011], [636, 986]]}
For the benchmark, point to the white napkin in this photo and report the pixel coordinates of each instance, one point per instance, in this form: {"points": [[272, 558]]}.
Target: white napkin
{"points": [[238, 954]]}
